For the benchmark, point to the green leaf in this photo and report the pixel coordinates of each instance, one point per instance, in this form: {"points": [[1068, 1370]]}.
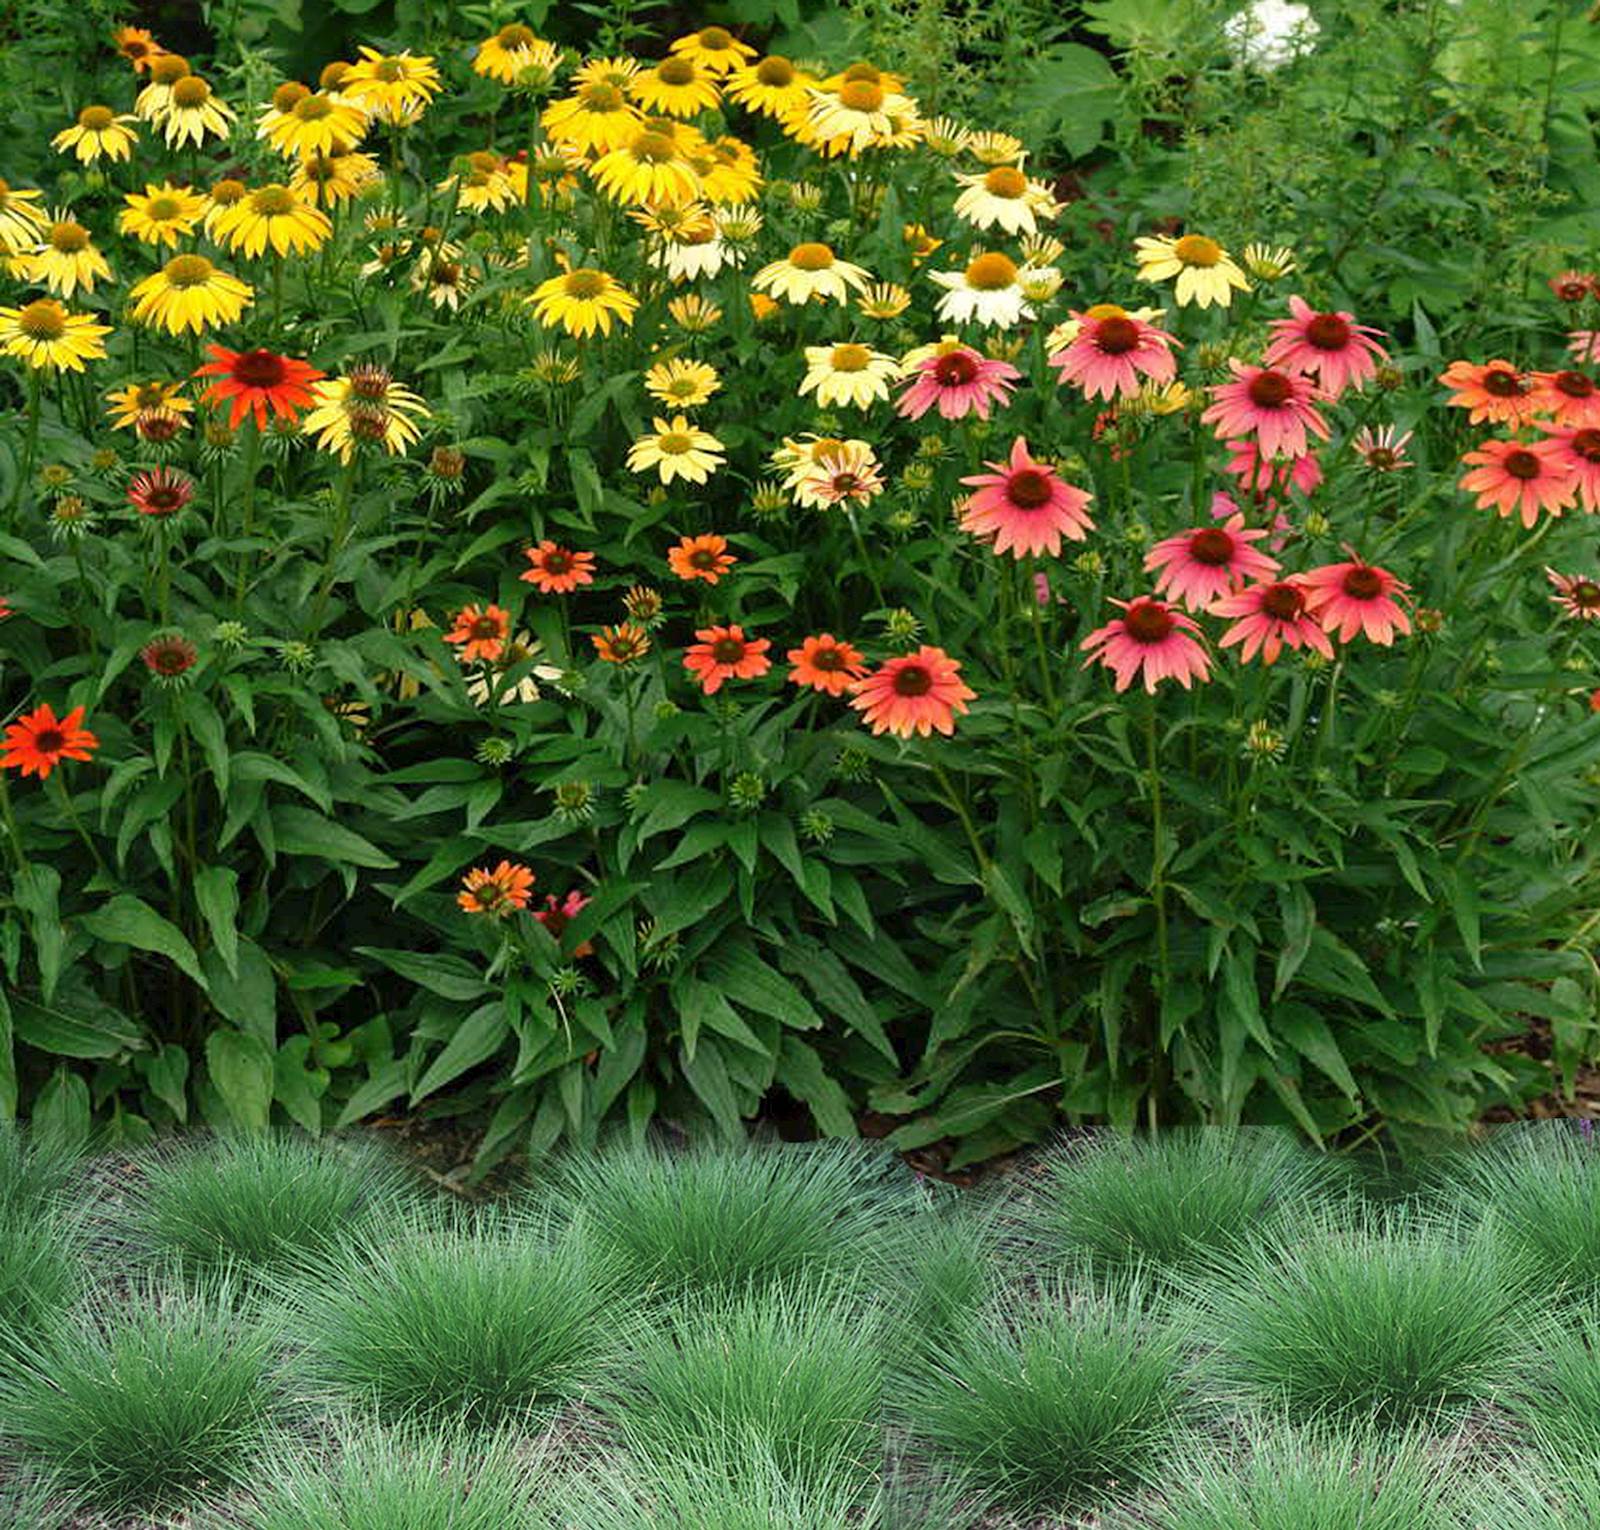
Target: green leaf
{"points": [[216, 893], [749, 981], [800, 1071], [61, 1109], [1240, 998], [241, 1068], [387, 1082], [8, 1063], [476, 1040], [166, 1076], [129, 921], [76, 1025], [1299, 914], [1016, 908], [206, 727], [707, 1075], [293, 1084], [35, 889], [299, 831], [249, 997], [839, 994], [451, 977], [1308, 1033]]}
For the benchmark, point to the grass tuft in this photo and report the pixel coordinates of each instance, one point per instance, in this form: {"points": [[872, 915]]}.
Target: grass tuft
{"points": [[256, 1202], [718, 1218], [1560, 1399], [483, 1324], [141, 1405], [1054, 1408], [35, 1173]]}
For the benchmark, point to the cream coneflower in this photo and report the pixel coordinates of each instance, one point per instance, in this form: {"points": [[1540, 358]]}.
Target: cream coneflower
{"points": [[99, 133], [681, 383], [1205, 272], [848, 374], [1004, 196], [986, 292], [810, 272]]}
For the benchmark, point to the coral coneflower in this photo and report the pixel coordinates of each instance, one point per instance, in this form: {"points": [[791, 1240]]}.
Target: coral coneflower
{"points": [[704, 557], [1353, 597], [1261, 475], [954, 379], [725, 653], [1025, 506], [558, 913], [1579, 452], [1576, 594], [500, 892], [557, 570], [919, 692], [1200, 566], [1269, 617], [138, 46], [481, 633], [1150, 639], [1277, 408], [161, 492], [1494, 391], [1584, 345], [826, 664], [1113, 353], [1521, 477], [1330, 347], [38, 741], [1572, 286], [1572, 398], [252, 382]]}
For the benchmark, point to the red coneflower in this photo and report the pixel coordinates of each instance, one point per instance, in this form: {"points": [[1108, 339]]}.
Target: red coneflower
{"points": [[1025, 506], [1579, 452], [1576, 594], [256, 381], [1202, 565], [917, 693], [1277, 408], [1494, 391], [1572, 286], [482, 634], [725, 653], [1151, 638], [1270, 617], [1353, 597], [621, 645], [499, 892], [1113, 352], [1331, 347], [704, 557], [956, 380], [1573, 398], [826, 664], [1261, 474], [161, 492], [39, 741], [169, 657], [557, 570], [1525, 477], [556, 915]]}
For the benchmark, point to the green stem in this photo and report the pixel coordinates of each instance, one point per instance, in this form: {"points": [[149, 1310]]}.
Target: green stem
{"points": [[954, 801], [1158, 864], [77, 823], [1030, 595], [252, 467], [31, 447], [336, 541]]}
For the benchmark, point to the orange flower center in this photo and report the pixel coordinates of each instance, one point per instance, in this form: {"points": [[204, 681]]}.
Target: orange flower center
{"points": [[1117, 335], [1005, 181], [811, 257], [43, 320], [1500, 382], [333, 74], [273, 201], [69, 237], [1028, 489], [675, 71], [1197, 250], [313, 108], [1270, 390], [1213, 547], [1362, 583], [850, 358], [861, 70], [1282, 602], [913, 680], [727, 650], [775, 70], [955, 369], [993, 272], [515, 36], [861, 95], [369, 382], [1521, 464], [289, 95], [190, 91], [1574, 384], [96, 118], [1328, 332], [1148, 621]]}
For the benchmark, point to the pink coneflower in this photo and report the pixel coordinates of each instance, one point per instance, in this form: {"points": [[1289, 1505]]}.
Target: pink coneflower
{"points": [[1382, 450], [1272, 616], [1331, 347], [1202, 565], [1353, 597], [1112, 351], [956, 380], [916, 693], [1584, 345], [1152, 637], [1494, 391], [160, 493], [1275, 407], [1224, 505], [1579, 452], [1576, 594], [1260, 475], [1573, 398], [1525, 477], [1025, 506]]}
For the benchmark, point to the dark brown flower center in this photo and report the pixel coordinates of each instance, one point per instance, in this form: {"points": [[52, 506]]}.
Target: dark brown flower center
{"points": [[557, 561], [164, 499], [1148, 621], [913, 680], [1213, 547], [515, 36], [49, 741], [1282, 602], [1586, 443], [259, 369], [1328, 332], [956, 369], [1502, 383], [703, 558], [1362, 583], [1586, 593], [1270, 390], [727, 650], [485, 628], [1028, 489], [1574, 384], [828, 659], [1521, 464], [1116, 336]]}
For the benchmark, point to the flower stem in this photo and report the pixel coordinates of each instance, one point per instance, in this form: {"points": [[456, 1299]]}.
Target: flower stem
{"points": [[1158, 863]]}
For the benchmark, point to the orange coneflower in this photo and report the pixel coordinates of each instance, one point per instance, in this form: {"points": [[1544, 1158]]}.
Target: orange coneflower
{"points": [[136, 45], [1494, 391], [500, 892], [39, 741], [256, 381], [706, 557], [1521, 477], [557, 570], [915, 693], [725, 653], [622, 644], [826, 664], [482, 633]]}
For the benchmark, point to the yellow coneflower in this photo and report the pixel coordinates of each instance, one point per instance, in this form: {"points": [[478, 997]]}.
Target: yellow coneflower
{"points": [[22, 220], [129, 403], [163, 214], [44, 334], [365, 406], [810, 271], [192, 111], [583, 300], [272, 216], [445, 279], [676, 449], [773, 86], [848, 374], [301, 122], [98, 133], [676, 87], [483, 184], [680, 382], [728, 171], [883, 301], [1205, 271], [190, 293], [512, 52], [694, 314], [857, 114], [607, 71], [331, 180], [649, 168], [714, 49], [1268, 263], [1004, 196], [66, 259], [595, 119], [991, 148], [395, 87], [165, 72], [919, 242], [738, 225], [223, 195]]}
